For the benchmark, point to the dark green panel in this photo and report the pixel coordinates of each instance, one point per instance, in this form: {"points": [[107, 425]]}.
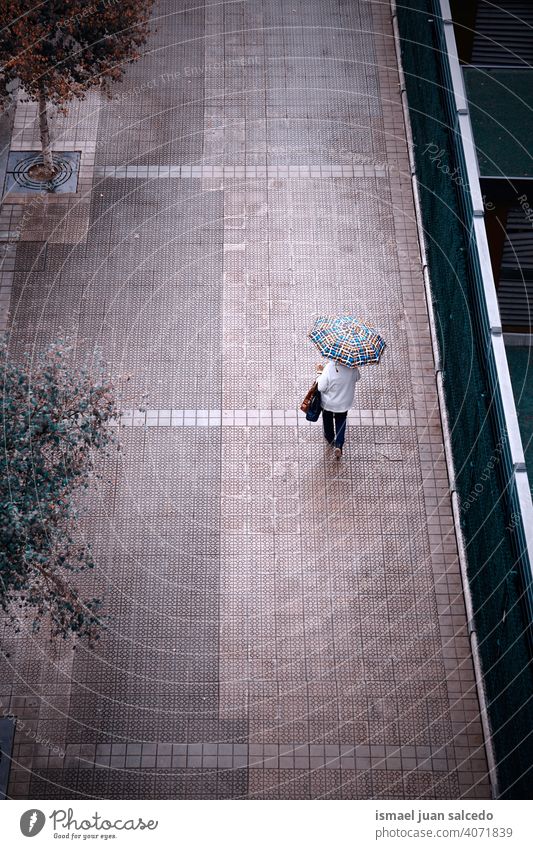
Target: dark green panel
{"points": [[501, 110]]}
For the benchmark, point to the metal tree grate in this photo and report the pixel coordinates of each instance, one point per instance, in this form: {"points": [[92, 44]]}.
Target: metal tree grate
{"points": [[20, 181]]}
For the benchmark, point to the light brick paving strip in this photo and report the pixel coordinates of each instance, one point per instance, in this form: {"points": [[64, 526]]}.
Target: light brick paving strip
{"points": [[253, 418], [231, 756], [239, 172], [281, 625]]}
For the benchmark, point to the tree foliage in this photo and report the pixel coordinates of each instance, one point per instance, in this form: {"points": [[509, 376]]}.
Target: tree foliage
{"points": [[63, 48], [54, 420], [59, 49]]}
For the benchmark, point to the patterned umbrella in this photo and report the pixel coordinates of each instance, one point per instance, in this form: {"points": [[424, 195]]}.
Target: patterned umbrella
{"points": [[347, 340]]}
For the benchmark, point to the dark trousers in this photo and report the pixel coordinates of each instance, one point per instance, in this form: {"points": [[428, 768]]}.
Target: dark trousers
{"points": [[334, 435]]}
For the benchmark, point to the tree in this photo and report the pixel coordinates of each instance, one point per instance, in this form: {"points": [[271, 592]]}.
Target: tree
{"points": [[60, 49], [54, 418]]}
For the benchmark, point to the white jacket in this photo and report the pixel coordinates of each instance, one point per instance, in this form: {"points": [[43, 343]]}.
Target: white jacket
{"points": [[336, 385]]}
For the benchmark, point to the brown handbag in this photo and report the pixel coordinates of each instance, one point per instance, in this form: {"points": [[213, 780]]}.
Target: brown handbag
{"points": [[304, 406]]}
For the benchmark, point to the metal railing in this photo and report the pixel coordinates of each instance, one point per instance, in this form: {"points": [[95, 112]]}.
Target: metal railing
{"points": [[487, 319], [489, 488]]}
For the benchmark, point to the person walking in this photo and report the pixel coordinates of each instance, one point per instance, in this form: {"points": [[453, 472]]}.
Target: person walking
{"points": [[336, 384], [346, 343]]}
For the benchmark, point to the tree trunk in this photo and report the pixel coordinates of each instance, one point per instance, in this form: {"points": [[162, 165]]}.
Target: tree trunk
{"points": [[45, 135]]}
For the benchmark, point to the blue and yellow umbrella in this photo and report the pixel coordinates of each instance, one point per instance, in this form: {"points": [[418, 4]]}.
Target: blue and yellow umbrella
{"points": [[347, 340]]}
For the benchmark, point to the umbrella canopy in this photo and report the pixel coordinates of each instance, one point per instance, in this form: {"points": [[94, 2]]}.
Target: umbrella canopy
{"points": [[347, 340]]}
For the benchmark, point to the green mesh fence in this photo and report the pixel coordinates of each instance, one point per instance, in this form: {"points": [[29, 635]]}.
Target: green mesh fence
{"points": [[480, 454]]}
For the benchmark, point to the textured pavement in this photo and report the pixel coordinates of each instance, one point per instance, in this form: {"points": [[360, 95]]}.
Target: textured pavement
{"points": [[281, 625]]}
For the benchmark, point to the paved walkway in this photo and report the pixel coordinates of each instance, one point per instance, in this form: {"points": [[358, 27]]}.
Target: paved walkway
{"points": [[281, 626]]}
